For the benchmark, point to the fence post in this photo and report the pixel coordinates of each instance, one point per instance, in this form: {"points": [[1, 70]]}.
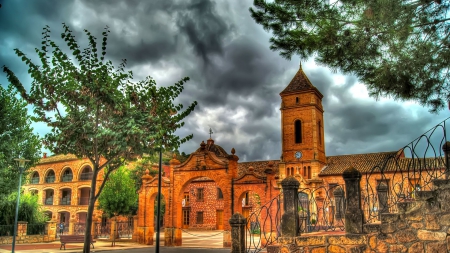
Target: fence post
{"points": [[382, 191], [353, 213], [289, 220], [237, 223], [51, 230], [339, 202], [135, 229]]}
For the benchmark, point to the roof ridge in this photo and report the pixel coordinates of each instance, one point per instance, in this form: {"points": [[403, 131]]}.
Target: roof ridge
{"points": [[384, 152]]}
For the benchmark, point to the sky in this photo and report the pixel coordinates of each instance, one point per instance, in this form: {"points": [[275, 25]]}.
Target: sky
{"points": [[234, 76]]}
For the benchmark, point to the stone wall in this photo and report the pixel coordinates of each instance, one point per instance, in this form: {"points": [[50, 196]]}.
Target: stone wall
{"points": [[421, 226]]}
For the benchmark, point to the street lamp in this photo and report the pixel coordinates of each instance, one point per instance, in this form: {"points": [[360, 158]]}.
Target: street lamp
{"points": [[21, 164]]}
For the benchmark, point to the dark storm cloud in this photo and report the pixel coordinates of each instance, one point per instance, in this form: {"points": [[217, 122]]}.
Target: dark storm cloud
{"points": [[235, 78]]}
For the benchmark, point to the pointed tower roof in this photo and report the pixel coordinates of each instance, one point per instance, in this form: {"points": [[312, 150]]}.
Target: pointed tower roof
{"points": [[300, 82]]}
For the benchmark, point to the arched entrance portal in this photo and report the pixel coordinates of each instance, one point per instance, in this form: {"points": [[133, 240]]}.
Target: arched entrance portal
{"points": [[202, 205]]}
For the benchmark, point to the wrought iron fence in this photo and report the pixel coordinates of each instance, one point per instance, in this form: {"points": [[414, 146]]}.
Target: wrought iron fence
{"points": [[6, 230], [125, 229], [102, 229], [400, 176], [79, 228], [36, 229], [263, 225], [321, 209]]}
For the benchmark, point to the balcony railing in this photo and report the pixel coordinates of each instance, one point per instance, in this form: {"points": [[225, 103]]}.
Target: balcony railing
{"points": [[50, 179], [67, 178], [83, 201], [49, 201], [65, 201], [86, 176], [35, 180]]}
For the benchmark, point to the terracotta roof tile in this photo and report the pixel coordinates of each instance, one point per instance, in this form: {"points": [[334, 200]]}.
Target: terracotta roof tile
{"points": [[376, 162], [57, 158], [299, 82]]}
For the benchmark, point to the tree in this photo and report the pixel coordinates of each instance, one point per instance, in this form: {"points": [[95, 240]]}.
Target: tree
{"points": [[29, 209], [119, 194], [16, 139], [96, 111], [397, 48]]}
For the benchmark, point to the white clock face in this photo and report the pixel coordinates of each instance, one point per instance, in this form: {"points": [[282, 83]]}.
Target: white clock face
{"points": [[298, 154]]}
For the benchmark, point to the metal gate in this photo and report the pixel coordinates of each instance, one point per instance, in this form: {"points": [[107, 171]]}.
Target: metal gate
{"points": [[125, 229], [102, 229], [303, 212]]}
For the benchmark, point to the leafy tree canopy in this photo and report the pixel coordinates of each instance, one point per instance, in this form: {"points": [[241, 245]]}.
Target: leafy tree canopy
{"points": [[16, 139], [95, 110], [119, 194], [397, 48], [29, 209]]}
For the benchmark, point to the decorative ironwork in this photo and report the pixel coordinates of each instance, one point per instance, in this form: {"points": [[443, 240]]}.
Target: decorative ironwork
{"points": [[67, 178], [321, 209], [49, 201], [79, 228], [86, 176], [102, 230], [65, 201], [50, 179], [125, 229], [6, 230], [263, 225], [35, 229], [399, 177]]}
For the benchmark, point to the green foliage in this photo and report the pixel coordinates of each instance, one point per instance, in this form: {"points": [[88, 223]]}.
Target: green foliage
{"points": [[397, 48], [95, 110], [29, 209], [119, 194], [16, 140]]}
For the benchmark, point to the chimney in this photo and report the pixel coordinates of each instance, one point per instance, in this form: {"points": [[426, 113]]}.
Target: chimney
{"points": [[45, 155]]}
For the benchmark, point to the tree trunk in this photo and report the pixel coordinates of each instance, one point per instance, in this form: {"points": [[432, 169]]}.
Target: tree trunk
{"points": [[87, 233]]}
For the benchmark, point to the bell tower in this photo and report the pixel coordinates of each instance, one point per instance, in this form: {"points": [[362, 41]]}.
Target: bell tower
{"points": [[302, 133]]}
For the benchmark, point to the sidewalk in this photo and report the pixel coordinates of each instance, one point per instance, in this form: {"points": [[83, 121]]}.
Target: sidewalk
{"points": [[100, 245], [191, 239]]}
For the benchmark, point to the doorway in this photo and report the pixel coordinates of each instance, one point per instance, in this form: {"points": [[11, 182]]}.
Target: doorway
{"points": [[186, 213], [219, 219]]}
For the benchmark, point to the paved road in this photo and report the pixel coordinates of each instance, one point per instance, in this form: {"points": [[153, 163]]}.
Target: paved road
{"points": [[170, 250]]}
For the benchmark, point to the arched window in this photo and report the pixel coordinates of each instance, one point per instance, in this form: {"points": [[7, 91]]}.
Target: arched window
{"points": [[304, 171], [319, 129], [298, 131], [50, 178], [35, 178], [309, 172], [296, 100]]}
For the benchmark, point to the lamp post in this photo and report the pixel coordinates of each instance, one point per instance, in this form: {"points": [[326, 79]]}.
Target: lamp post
{"points": [[21, 164]]}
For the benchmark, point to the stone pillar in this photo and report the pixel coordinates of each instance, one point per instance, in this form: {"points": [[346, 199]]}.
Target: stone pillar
{"points": [[339, 203], [382, 192], [237, 223], [135, 228], [289, 220], [353, 214], [172, 237], [446, 149], [22, 228], [51, 230], [71, 226]]}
